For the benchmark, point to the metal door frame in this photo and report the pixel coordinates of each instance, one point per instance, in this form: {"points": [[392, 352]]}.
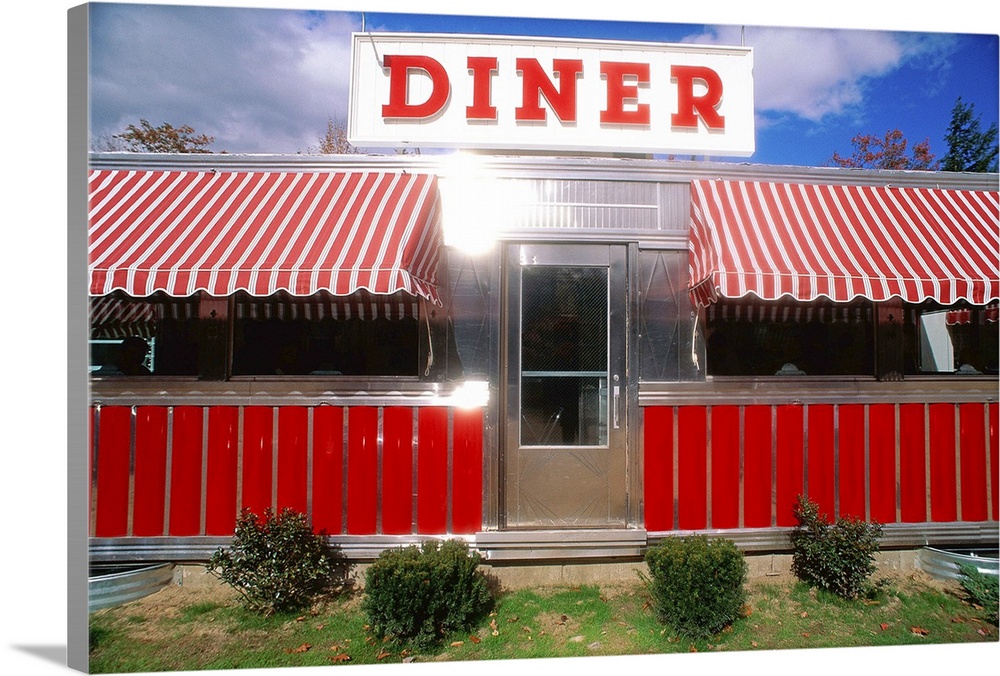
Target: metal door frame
{"points": [[620, 259]]}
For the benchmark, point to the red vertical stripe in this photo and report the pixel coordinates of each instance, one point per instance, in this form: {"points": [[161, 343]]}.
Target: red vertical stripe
{"points": [[658, 467], [972, 430], [852, 460], [293, 452], [114, 432], [150, 471], [397, 471], [467, 478], [944, 505], [223, 449], [725, 467], [432, 470], [994, 446], [258, 443], [362, 470], [328, 469], [691, 467], [790, 458], [185, 472], [912, 464], [757, 466], [822, 469], [882, 462]]}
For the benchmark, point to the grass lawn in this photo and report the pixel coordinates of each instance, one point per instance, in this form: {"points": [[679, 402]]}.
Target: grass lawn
{"points": [[190, 628]]}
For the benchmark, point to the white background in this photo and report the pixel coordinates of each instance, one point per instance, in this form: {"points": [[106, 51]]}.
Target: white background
{"points": [[34, 346]]}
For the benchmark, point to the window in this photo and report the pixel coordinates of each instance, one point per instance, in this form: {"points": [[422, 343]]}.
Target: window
{"points": [[140, 336], [322, 334], [959, 339], [819, 338]]}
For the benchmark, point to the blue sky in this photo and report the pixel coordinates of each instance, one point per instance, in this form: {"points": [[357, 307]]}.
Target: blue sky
{"points": [[267, 79]]}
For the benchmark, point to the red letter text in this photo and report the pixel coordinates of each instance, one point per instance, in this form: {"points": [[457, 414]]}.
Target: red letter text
{"points": [[536, 83], [689, 106], [399, 66], [618, 92]]}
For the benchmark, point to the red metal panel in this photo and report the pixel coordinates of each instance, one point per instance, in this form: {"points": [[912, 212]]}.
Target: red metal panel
{"points": [[725, 467], [790, 451], [150, 471], [258, 449], [972, 430], [328, 469], [821, 469], [912, 464], [397, 470], [293, 451], [658, 467], [362, 470], [223, 451], [882, 462], [852, 487], [944, 503], [114, 432], [994, 446], [185, 472], [432, 470], [757, 466], [467, 477], [691, 468]]}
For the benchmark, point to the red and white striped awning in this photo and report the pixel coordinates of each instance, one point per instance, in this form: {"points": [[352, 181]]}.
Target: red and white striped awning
{"points": [[181, 232], [841, 242]]}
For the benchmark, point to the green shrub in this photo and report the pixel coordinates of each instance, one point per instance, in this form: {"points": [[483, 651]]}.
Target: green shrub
{"points": [[277, 563], [696, 583], [419, 595], [983, 589], [838, 557]]}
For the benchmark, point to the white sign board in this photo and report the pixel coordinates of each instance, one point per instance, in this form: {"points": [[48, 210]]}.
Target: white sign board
{"points": [[478, 91]]}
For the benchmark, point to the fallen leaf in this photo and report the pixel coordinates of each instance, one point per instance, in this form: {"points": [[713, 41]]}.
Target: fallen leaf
{"points": [[646, 605], [883, 626], [493, 628], [746, 611], [562, 620], [805, 634], [753, 644], [301, 649], [692, 649], [300, 618], [527, 630], [920, 631], [382, 655], [804, 614], [513, 619], [457, 644], [319, 627], [335, 648], [982, 632], [603, 598], [342, 657], [958, 620], [475, 639]]}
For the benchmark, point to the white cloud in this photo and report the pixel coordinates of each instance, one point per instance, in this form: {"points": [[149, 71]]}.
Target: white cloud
{"points": [[257, 80], [813, 73]]}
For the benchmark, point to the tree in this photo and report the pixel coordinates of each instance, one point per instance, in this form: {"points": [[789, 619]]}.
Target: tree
{"points": [[164, 139], [887, 152], [334, 141], [968, 148]]}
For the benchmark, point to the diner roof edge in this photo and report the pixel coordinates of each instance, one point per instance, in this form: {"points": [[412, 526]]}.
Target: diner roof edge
{"points": [[546, 166]]}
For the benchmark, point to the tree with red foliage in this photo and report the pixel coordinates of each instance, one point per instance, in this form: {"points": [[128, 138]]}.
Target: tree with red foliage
{"points": [[887, 152]]}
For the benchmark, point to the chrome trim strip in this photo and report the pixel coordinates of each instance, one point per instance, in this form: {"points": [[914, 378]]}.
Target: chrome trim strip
{"points": [[778, 390], [531, 545]]}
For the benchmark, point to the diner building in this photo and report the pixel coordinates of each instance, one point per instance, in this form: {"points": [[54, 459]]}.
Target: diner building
{"points": [[552, 355]]}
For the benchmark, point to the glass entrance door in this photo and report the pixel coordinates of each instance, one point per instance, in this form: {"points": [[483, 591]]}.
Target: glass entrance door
{"points": [[565, 439]]}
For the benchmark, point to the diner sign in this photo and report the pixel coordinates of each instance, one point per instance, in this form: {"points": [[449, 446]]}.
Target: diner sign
{"points": [[479, 91]]}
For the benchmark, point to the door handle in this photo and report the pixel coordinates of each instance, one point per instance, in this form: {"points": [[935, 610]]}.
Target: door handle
{"points": [[617, 396]]}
